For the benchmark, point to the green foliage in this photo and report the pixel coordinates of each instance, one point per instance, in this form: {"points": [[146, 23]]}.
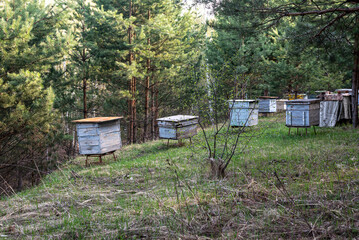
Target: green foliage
{"points": [[282, 56], [32, 39]]}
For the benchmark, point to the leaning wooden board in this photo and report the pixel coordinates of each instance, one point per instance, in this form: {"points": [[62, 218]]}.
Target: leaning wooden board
{"points": [[177, 127], [98, 135]]}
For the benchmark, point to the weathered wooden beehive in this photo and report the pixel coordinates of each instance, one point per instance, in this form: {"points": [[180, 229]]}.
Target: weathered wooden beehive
{"points": [[177, 127], [302, 113], [281, 105], [98, 135], [267, 104], [243, 113]]}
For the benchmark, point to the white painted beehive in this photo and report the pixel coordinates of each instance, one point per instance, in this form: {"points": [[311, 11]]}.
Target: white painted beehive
{"points": [[98, 135], [243, 113], [177, 127], [281, 105]]}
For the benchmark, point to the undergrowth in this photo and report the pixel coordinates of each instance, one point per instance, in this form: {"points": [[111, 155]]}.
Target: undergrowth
{"points": [[280, 186]]}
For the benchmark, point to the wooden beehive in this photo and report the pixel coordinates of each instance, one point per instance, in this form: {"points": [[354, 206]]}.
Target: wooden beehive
{"points": [[267, 104], [243, 113], [346, 90], [302, 113], [98, 135], [177, 127], [281, 105]]}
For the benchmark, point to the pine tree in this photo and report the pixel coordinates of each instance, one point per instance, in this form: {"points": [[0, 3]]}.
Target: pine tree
{"points": [[32, 38]]}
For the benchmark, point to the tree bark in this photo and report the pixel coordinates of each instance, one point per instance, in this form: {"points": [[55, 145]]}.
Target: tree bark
{"points": [[130, 86], [355, 81], [84, 80], [134, 111], [84, 83], [156, 113], [147, 89], [153, 112]]}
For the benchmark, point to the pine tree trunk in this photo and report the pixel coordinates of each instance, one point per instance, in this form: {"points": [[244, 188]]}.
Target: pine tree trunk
{"points": [[147, 90], [355, 81], [134, 111], [84, 97], [84, 81], [156, 113], [153, 112], [130, 110]]}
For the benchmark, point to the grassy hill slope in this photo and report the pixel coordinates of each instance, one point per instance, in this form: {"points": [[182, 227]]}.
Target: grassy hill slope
{"points": [[280, 186]]}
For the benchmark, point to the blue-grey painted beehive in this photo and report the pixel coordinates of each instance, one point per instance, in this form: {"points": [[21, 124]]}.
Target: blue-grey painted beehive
{"points": [[302, 113], [243, 112], [98, 135], [177, 127], [267, 104]]}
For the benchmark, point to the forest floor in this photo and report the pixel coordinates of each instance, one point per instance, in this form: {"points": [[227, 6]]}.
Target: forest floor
{"points": [[279, 187]]}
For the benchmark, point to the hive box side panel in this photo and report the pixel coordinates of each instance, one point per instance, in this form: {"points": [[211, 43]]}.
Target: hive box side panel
{"points": [[263, 105], [314, 117], [267, 105], [244, 117], [86, 125], [88, 139], [186, 132], [110, 136], [238, 117], [169, 124], [281, 106], [297, 118], [89, 145], [167, 132], [238, 104], [297, 107], [273, 105], [187, 123], [253, 119], [108, 127], [165, 124], [81, 132]]}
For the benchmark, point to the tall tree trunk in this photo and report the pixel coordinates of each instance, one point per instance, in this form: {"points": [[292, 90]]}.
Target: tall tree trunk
{"points": [[153, 112], [355, 80], [134, 111], [156, 112], [84, 83], [84, 80], [147, 88], [130, 86], [266, 92]]}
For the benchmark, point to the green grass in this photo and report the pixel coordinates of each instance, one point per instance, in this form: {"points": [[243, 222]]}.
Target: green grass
{"points": [[279, 186]]}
